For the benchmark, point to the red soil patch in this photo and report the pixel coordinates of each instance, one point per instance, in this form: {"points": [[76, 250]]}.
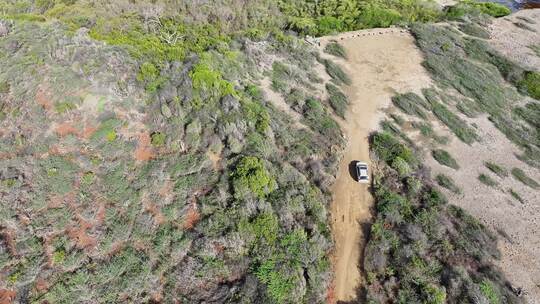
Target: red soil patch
{"points": [[100, 214], [7, 236], [41, 285], [166, 189], [43, 98], [153, 209], [81, 238], [192, 217], [7, 296], [88, 131], [144, 151], [66, 128], [330, 295]]}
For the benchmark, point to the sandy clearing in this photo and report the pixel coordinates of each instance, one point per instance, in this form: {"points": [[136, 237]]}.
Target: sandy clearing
{"points": [[380, 63], [513, 41]]}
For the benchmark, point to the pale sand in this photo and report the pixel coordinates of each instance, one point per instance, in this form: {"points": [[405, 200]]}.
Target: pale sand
{"points": [[380, 63]]}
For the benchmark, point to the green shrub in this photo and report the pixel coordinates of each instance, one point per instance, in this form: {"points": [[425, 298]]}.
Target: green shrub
{"points": [[454, 123], [447, 182], [516, 196], [490, 292], [158, 139], [498, 170], [338, 101], [444, 158], [335, 71], [489, 8], [410, 103], [389, 148], [486, 180], [531, 84], [474, 29], [401, 166], [251, 175], [522, 177], [336, 49]]}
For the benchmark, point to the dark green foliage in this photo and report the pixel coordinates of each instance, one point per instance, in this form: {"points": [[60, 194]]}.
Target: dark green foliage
{"points": [[516, 196], [521, 176], [424, 248], [448, 183], [531, 84], [319, 120], [337, 99], [158, 139], [471, 6], [498, 170], [336, 49], [486, 180], [251, 175], [336, 72], [411, 104], [444, 158], [330, 16], [388, 148]]}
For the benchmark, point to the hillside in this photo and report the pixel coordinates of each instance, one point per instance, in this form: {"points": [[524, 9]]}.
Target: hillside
{"points": [[190, 152]]}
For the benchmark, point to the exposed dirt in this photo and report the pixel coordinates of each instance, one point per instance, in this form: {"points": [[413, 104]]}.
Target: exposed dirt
{"points": [[380, 63]]}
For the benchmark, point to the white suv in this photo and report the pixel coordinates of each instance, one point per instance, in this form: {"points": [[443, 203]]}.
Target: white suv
{"points": [[362, 175]]}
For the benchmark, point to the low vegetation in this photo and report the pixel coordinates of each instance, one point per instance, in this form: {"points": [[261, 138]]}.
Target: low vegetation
{"points": [[521, 176], [423, 250], [444, 158], [336, 49], [486, 180], [338, 101], [498, 170], [472, 68], [448, 183]]}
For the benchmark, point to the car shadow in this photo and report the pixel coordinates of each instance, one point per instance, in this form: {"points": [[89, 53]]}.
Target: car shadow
{"points": [[352, 169]]}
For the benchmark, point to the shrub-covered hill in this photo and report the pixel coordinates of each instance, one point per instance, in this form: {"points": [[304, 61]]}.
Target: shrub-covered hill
{"points": [[421, 249], [129, 177]]}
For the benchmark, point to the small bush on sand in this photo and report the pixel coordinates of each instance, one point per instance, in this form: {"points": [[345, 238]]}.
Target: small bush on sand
{"points": [[447, 182], [522, 177], [486, 180], [444, 158], [337, 74], [498, 170], [334, 48], [338, 100], [515, 195]]}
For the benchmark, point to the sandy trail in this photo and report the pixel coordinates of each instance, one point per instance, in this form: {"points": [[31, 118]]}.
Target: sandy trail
{"points": [[380, 63]]}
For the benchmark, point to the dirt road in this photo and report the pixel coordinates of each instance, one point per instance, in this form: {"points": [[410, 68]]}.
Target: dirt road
{"points": [[380, 63]]}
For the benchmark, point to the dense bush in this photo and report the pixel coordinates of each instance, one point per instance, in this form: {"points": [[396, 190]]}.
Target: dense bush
{"points": [[250, 174], [388, 148], [422, 250]]}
